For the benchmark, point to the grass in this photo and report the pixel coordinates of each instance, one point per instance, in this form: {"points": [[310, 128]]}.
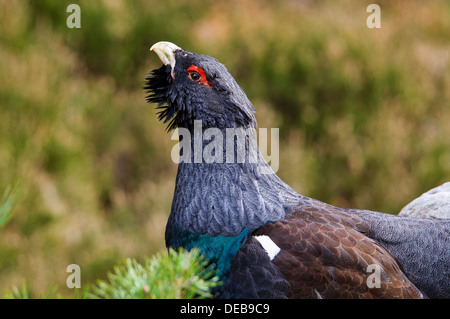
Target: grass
{"points": [[363, 115]]}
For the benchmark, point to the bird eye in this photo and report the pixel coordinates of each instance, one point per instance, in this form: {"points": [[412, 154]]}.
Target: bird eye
{"points": [[198, 75], [194, 76]]}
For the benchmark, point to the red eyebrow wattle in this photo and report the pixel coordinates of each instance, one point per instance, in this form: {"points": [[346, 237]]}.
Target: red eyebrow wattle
{"points": [[199, 70]]}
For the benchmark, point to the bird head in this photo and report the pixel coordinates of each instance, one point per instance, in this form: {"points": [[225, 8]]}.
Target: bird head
{"points": [[191, 87]]}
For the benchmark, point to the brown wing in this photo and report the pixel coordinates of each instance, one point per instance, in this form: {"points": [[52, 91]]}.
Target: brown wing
{"points": [[323, 256]]}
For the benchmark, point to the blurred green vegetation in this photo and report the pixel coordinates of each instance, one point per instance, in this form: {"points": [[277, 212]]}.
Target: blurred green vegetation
{"points": [[177, 274], [8, 203], [364, 115]]}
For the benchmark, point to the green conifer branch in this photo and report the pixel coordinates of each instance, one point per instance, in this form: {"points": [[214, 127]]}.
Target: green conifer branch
{"points": [[177, 275]]}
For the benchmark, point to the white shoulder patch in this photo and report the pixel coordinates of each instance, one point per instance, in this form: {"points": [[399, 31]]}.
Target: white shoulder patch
{"points": [[269, 246], [319, 296]]}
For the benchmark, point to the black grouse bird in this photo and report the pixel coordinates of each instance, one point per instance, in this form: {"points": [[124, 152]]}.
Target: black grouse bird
{"points": [[266, 240]]}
